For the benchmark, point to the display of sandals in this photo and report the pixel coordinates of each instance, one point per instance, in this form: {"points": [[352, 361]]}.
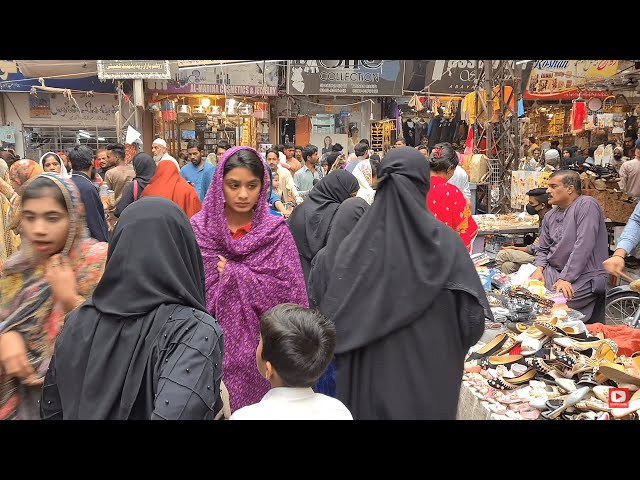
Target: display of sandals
{"points": [[568, 378]]}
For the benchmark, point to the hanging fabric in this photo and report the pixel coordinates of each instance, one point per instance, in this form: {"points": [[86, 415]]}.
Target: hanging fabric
{"points": [[415, 103], [578, 116]]}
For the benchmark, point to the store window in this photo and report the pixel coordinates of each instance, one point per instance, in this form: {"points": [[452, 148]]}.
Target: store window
{"points": [[39, 140]]}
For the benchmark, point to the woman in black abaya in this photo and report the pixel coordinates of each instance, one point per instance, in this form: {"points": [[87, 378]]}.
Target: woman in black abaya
{"points": [[143, 347], [345, 219], [407, 312], [310, 222]]}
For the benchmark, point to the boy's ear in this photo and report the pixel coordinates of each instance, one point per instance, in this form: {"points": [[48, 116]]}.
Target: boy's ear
{"points": [[268, 370]]}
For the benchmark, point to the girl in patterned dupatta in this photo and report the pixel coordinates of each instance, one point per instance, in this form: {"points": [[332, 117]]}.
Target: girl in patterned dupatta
{"points": [[446, 201], [251, 265], [9, 240], [57, 267]]}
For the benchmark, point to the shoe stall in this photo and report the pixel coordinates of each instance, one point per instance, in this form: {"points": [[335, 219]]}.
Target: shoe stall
{"points": [[538, 360]]}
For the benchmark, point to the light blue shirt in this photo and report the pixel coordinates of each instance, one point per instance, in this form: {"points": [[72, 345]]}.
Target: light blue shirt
{"points": [[631, 234], [200, 177], [304, 178]]}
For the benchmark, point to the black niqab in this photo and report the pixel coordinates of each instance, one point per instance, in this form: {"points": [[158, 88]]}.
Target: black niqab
{"points": [[153, 265], [310, 222], [345, 219]]}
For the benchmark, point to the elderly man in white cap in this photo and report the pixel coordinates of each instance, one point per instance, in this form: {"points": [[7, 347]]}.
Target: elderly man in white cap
{"points": [[159, 151], [551, 160]]}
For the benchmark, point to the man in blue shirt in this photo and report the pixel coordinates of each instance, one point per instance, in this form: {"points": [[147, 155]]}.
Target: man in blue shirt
{"points": [[309, 172], [197, 172]]}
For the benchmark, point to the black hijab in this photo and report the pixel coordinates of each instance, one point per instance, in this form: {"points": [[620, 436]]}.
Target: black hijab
{"points": [[410, 257], [145, 168], [310, 222], [153, 265], [345, 219]]}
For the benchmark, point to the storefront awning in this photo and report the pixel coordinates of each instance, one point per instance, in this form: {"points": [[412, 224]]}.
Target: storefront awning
{"points": [[57, 68]]}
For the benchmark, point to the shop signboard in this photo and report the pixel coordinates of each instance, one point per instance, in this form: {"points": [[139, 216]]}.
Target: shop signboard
{"points": [[136, 69], [444, 77], [231, 80], [566, 79], [366, 78]]}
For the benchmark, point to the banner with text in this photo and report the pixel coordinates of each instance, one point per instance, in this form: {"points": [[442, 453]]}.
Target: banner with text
{"points": [[369, 78], [126, 69], [242, 80]]}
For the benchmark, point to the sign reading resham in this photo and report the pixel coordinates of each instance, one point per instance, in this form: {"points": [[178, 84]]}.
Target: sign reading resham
{"points": [[345, 77], [127, 69]]}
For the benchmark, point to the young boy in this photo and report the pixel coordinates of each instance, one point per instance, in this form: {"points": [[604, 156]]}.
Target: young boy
{"points": [[275, 184], [296, 346]]}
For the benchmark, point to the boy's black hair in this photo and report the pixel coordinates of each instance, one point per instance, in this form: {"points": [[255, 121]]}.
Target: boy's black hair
{"points": [[298, 342]]}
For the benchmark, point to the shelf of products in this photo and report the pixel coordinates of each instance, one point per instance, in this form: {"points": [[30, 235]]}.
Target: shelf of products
{"points": [[211, 139]]}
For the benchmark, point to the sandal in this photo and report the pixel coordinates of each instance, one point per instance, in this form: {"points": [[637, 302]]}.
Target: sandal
{"points": [[502, 383], [626, 371], [496, 345], [496, 360]]}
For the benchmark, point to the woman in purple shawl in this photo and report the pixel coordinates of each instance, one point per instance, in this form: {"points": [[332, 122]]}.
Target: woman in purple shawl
{"points": [[251, 264]]}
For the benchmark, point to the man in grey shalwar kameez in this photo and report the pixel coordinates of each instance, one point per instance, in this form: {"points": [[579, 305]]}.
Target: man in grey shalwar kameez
{"points": [[573, 245]]}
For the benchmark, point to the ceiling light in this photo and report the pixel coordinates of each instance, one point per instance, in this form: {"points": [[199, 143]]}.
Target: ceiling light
{"points": [[205, 102]]}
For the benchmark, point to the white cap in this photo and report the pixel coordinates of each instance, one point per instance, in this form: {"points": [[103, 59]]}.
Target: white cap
{"points": [[551, 154], [161, 142]]}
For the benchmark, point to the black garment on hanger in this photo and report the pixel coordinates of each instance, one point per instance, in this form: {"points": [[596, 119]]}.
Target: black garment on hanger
{"points": [[409, 134]]}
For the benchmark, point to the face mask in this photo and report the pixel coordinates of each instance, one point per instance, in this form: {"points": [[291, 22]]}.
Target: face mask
{"points": [[617, 157], [531, 210]]}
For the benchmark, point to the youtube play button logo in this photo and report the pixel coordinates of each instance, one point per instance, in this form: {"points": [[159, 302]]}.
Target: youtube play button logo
{"points": [[618, 398]]}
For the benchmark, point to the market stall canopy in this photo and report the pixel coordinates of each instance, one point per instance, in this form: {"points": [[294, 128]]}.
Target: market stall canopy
{"points": [[57, 68]]}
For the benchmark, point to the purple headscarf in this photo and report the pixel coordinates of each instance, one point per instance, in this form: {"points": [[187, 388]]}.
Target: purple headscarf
{"points": [[262, 270]]}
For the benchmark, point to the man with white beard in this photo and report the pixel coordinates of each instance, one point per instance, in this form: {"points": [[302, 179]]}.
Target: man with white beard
{"points": [[159, 152]]}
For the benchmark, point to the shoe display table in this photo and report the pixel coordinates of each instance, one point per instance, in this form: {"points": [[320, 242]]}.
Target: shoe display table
{"points": [[549, 370]]}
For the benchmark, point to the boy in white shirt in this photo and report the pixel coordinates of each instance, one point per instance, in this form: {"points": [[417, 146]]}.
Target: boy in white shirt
{"points": [[296, 346]]}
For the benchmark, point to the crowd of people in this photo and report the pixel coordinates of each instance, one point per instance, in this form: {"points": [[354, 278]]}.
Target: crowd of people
{"points": [[244, 286]]}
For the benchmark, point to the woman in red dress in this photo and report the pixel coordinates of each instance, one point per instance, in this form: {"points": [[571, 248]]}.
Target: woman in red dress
{"points": [[445, 200]]}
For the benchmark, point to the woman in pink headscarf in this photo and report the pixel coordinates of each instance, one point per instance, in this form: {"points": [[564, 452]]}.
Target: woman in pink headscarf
{"points": [[251, 264]]}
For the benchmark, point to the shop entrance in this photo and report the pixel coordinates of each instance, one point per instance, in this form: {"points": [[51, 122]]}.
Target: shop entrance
{"points": [[286, 130]]}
